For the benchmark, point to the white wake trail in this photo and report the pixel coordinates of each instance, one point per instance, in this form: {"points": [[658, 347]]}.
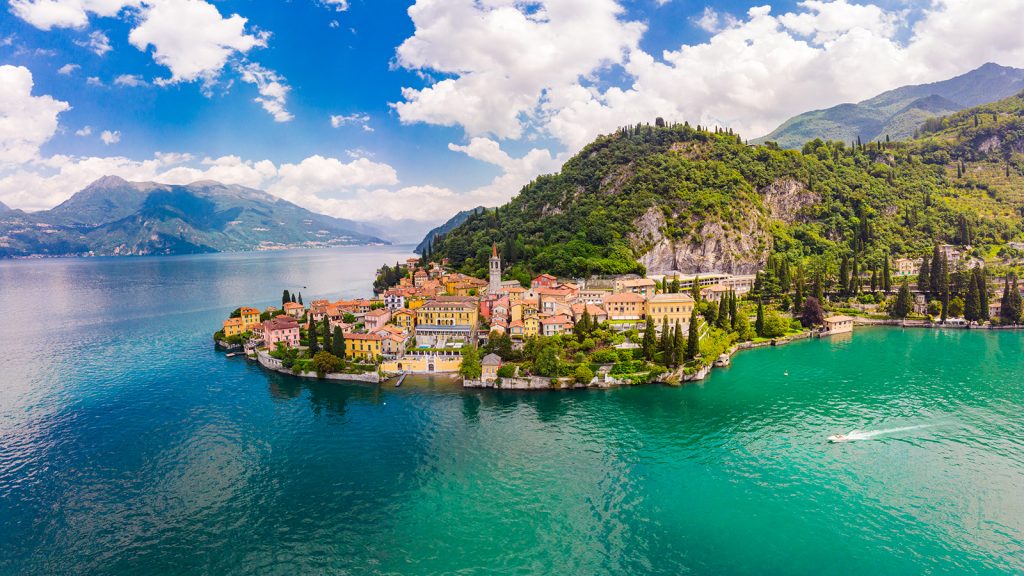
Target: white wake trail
{"points": [[867, 435]]}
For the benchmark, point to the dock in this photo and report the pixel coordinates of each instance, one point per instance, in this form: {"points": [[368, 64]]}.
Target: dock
{"points": [[400, 380]]}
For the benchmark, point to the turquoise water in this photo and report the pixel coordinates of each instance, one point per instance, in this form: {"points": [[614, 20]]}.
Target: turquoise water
{"points": [[128, 446]]}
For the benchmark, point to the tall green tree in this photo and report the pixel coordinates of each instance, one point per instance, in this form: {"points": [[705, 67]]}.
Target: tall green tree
{"points": [[972, 303], [901, 308], [732, 309], [666, 340], [924, 282], [982, 280], [678, 345], [1010, 309], [759, 322], [311, 333], [325, 327], [338, 343], [300, 297], [693, 340], [937, 277], [285, 297], [695, 289], [650, 344], [723, 321], [470, 367], [844, 276], [886, 275]]}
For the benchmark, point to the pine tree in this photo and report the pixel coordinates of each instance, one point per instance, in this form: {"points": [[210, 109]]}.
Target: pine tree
{"points": [[695, 289], [293, 299], [854, 279], [338, 343], [759, 323], [678, 345], [936, 271], [1010, 310], [983, 300], [649, 342], [300, 297], [285, 297], [874, 280], [732, 309], [723, 313], [844, 276], [693, 340]]}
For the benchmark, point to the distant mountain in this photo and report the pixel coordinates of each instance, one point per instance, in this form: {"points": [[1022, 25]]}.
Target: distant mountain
{"points": [[4, 208], [899, 113], [443, 229], [112, 216]]}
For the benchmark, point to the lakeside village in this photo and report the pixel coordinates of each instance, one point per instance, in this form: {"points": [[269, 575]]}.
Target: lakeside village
{"points": [[602, 331]]}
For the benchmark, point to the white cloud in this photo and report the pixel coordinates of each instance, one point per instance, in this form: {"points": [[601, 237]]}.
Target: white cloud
{"points": [[48, 14], [94, 81], [359, 119], [68, 69], [130, 80], [272, 89], [84, 131], [711, 20], [506, 57], [516, 172], [339, 5], [97, 42], [26, 121], [110, 137], [191, 38]]}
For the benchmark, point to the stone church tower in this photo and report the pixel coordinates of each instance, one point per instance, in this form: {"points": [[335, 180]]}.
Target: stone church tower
{"points": [[495, 284]]}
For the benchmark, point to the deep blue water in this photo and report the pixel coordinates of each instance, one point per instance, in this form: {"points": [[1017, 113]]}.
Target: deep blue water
{"points": [[129, 446]]}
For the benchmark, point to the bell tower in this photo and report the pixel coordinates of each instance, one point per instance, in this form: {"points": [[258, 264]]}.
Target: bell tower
{"points": [[494, 287]]}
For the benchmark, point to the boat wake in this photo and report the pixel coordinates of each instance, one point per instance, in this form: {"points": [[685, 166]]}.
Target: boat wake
{"points": [[855, 435]]}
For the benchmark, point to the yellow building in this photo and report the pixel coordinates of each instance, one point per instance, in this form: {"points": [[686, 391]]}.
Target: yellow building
{"points": [[423, 363], [674, 307], [625, 306], [414, 302], [531, 326], [443, 312], [363, 346], [404, 319], [250, 317], [233, 327]]}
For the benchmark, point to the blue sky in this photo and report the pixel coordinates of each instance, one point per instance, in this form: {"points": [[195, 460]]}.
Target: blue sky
{"points": [[436, 104]]}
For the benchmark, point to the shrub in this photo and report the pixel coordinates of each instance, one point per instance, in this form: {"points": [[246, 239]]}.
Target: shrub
{"points": [[583, 374], [774, 325]]}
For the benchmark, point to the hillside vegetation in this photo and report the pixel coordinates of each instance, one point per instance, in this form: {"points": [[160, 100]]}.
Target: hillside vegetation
{"points": [[661, 197]]}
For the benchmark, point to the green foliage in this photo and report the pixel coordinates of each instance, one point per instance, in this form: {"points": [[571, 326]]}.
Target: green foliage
{"points": [[325, 363], [506, 371], [903, 304], [470, 367], [775, 325], [583, 374]]}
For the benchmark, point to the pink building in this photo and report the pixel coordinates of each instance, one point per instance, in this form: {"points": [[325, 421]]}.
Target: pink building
{"points": [[281, 329], [375, 319]]}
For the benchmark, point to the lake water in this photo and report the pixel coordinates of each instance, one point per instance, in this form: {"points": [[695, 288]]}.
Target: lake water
{"points": [[128, 446]]}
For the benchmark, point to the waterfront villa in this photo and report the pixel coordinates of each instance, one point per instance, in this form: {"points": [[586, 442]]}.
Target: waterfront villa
{"points": [[671, 307], [250, 317], [404, 319], [282, 329], [446, 317], [838, 325], [363, 346], [489, 367], [233, 327]]}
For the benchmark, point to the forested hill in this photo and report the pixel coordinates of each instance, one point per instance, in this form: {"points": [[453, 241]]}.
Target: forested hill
{"points": [[666, 197]]}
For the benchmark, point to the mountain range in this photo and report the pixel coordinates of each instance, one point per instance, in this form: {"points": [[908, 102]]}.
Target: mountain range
{"points": [[671, 197], [899, 113], [112, 216], [443, 229]]}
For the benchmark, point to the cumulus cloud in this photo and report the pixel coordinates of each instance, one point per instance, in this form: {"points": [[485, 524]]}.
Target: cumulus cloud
{"points": [[516, 172], [130, 80], [339, 5], [359, 119], [191, 38], [68, 69], [97, 42], [503, 72], [49, 14], [110, 137], [26, 121], [84, 131], [273, 92]]}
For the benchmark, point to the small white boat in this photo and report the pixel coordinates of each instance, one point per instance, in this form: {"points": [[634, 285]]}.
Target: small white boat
{"points": [[838, 438]]}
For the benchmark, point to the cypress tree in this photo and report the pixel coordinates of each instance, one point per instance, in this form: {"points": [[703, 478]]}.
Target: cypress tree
{"points": [[679, 345], [666, 340], [886, 276], [285, 297], [854, 279], [844, 275], [924, 283], [936, 271], [983, 293], [1010, 310], [723, 313], [972, 304], [649, 343], [732, 310], [902, 306], [874, 280], [293, 298], [759, 323], [314, 346], [327, 332], [300, 297], [693, 341], [338, 343], [695, 289]]}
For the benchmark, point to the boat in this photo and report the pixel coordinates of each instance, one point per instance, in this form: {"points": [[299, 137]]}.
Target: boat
{"points": [[836, 438]]}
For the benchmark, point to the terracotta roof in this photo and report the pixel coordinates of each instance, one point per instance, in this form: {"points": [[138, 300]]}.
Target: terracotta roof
{"points": [[638, 282], [280, 323], [377, 312], [680, 297], [248, 310], [557, 319], [233, 322], [624, 297], [361, 336], [838, 318], [292, 305]]}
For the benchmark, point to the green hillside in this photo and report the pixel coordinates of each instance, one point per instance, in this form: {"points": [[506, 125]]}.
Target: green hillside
{"points": [[667, 197]]}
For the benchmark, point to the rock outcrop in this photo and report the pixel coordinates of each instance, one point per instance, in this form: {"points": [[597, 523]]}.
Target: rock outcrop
{"points": [[787, 199], [737, 250]]}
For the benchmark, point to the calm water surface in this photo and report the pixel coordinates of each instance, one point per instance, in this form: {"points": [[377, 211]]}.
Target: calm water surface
{"points": [[128, 446]]}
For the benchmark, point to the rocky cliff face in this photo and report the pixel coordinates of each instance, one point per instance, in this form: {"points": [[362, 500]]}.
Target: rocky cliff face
{"points": [[739, 250], [787, 199]]}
